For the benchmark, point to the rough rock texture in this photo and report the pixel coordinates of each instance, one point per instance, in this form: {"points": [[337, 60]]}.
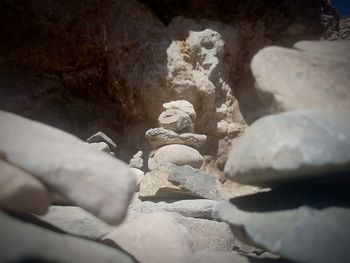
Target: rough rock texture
{"points": [[23, 242], [176, 154], [159, 137], [153, 238], [307, 223], [183, 105], [176, 120], [76, 221], [312, 75], [94, 180], [21, 192], [296, 145]]}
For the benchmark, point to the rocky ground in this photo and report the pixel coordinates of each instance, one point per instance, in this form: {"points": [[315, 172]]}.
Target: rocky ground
{"points": [[153, 133]]}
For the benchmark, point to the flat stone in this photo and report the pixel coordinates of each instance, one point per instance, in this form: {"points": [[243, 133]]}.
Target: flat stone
{"points": [[183, 105], [303, 223], [21, 192], [100, 146], [101, 137], [176, 154], [96, 181], [312, 75], [155, 237], [24, 242], [76, 221], [159, 137], [176, 120], [291, 146]]}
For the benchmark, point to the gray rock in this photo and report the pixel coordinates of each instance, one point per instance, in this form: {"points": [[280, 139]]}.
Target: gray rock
{"points": [[308, 223], [194, 180], [21, 192], [313, 75], [101, 137], [96, 181], [295, 145], [100, 146], [136, 161], [177, 154], [22, 242], [139, 175], [76, 221], [176, 120], [183, 105], [155, 237], [159, 137], [197, 208]]}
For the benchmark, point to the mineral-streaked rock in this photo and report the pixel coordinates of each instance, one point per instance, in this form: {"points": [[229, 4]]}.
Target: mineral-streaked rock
{"points": [[183, 105], [176, 120], [295, 145], [177, 154], [313, 75], [159, 137], [21, 192], [93, 180]]}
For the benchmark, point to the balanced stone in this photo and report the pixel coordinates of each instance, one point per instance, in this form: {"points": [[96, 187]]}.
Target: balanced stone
{"points": [[176, 120], [183, 105]]}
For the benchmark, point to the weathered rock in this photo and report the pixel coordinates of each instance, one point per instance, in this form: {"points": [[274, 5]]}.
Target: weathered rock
{"points": [[101, 137], [100, 146], [76, 221], [139, 175], [153, 238], [308, 223], [197, 208], [136, 161], [177, 154], [95, 181], [159, 137], [21, 192], [183, 105], [176, 120], [296, 145], [313, 75], [194, 180], [23, 242]]}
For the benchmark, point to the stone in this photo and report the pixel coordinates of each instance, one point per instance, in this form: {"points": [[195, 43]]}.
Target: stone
{"points": [[194, 180], [159, 137], [183, 105], [101, 137], [21, 192], [23, 242], [139, 175], [100, 146], [136, 161], [153, 238], [197, 208], [312, 75], [296, 145], [177, 154], [96, 181], [76, 221], [230, 189], [302, 223], [176, 120]]}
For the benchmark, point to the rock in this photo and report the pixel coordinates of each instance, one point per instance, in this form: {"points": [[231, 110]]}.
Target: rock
{"points": [[156, 184], [312, 75], [21, 192], [96, 181], [230, 189], [176, 154], [101, 137], [76, 221], [304, 223], [100, 146], [194, 180], [176, 120], [296, 145], [139, 175], [197, 208], [159, 137], [137, 161], [36, 244], [183, 105], [153, 238]]}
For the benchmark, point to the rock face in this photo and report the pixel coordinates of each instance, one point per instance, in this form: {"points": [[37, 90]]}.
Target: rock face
{"points": [[29, 241], [145, 238], [175, 154], [21, 192], [94, 180], [312, 75], [296, 145]]}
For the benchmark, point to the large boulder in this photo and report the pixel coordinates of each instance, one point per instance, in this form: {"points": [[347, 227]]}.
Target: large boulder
{"points": [[93, 180], [312, 75], [295, 145]]}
